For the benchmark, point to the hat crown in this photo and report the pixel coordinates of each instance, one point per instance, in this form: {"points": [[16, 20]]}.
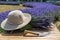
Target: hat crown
{"points": [[15, 17]]}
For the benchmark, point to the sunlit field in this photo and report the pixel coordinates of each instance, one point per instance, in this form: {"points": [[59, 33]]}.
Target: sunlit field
{"points": [[10, 7]]}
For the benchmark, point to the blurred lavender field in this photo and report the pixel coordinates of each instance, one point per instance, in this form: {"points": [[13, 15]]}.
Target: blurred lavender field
{"points": [[42, 13], [41, 9]]}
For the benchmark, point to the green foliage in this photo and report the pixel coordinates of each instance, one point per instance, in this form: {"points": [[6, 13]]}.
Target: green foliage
{"points": [[52, 15], [20, 30], [1, 30], [57, 16], [26, 27]]}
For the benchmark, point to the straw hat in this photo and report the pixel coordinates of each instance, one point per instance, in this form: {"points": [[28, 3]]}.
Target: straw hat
{"points": [[16, 19]]}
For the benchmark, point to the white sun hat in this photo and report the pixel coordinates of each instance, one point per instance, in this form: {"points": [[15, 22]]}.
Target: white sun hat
{"points": [[16, 20]]}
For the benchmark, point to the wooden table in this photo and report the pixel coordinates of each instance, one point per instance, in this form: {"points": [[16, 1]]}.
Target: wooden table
{"points": [[55, 35]]}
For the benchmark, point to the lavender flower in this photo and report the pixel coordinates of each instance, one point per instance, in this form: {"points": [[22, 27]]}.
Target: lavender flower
{"points": [[3, 15], [40, 9], [43, 22]]}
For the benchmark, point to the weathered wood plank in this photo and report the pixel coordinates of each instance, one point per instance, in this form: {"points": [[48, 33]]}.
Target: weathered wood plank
{"points": [[55, 35]]}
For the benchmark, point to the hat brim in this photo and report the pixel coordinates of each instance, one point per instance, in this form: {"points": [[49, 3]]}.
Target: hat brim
{"points": [[6, 26]]}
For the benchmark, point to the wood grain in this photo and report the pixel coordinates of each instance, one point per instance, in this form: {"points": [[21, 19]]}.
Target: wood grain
{"points": [[55, 35]]}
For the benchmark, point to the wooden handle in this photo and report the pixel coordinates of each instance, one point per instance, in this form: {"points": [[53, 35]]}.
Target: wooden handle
{"points": [[30, 32]]}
